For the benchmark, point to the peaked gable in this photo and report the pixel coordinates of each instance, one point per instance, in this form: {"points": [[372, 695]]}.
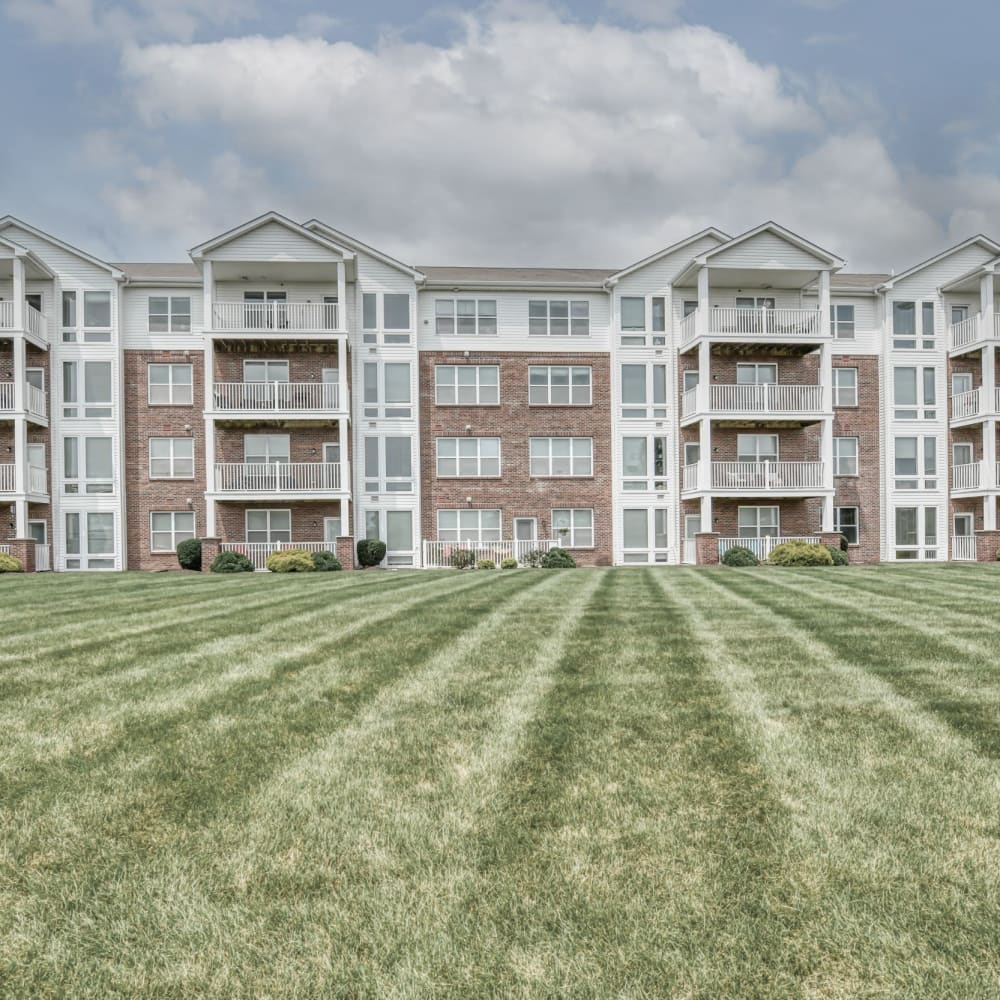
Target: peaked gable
{"points": [[771, 245], [9, 222], [270, 237]]}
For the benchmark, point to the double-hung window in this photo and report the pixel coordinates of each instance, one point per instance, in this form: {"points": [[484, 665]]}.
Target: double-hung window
{"points": [[88, 465], [266, 449], [467, 385], [465, 317], [388, 464], [842, 321], [171, 458], [169, 313], [915, 463], [395, 400], [847, 523], [468, 525], [845, 387], [167, 529], [906, 318], [756, 374], [170, 385], [471, 457], [756, 447], [561, 456], [758, 522], [269, 526], [573, 527], [644, 391], [914, 393], [559, 385], [559, 317], [845, 456], [644, 463], [89, 381]]}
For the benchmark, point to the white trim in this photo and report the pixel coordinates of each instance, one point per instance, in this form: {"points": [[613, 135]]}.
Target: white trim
{"points": [[262, 220]]}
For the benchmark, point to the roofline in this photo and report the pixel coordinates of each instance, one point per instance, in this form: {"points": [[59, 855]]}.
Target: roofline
{"points": [[22, 251], [991, 266], [10, 220], [673, 248], [173, 282], [356, 244], [978, 238], [800, 241], [199, 251], [441, 285]]}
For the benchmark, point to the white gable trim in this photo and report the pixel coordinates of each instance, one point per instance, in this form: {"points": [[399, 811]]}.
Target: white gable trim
{"points": [[314, 225], [717, 234], [10, 220], [829, 259], [984, 241], [263, 220]]}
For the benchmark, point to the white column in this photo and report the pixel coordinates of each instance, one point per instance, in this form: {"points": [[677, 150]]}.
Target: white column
{"points": [[701, 323], [20, 518], [344, 466], [987, 293], [208, 293], [18, 346], [706, 513], [827, 522], [21, 462], [826, 457], [341, 296], [824, 303], [17, 264], [209, 517], [342, 372]]}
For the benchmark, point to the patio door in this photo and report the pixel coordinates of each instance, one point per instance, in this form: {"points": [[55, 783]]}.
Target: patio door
{"points": [[265, 310], [961, 382]]}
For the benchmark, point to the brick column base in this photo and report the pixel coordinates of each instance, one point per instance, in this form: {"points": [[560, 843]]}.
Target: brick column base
{"points": [[210, 548], [987, 543], [707, 546], [345, 551], [23, 550], [830, 538]]}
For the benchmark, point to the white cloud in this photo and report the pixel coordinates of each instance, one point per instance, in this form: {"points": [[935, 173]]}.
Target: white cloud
{"points": [[648, 11]]}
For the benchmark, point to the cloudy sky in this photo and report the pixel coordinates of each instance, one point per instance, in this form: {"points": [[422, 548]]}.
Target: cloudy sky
{"points": [[519, 131]]}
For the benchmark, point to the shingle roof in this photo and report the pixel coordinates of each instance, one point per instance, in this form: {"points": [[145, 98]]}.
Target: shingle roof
{"points": [[518, 275]]}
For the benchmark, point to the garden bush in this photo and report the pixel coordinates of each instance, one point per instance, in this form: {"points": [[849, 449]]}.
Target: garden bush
{"points": [[844, 543], [290, 561], [837, 554], [462, 559], [508, 563], [533, 558], [189, 554], [558, 559], [486, 564], [8, 564], [232, 562], [800, 554], [739, 555], [370, 552], [325, 562]]}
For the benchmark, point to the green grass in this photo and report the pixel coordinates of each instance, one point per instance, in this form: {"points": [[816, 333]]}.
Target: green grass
{"points": [[607, 783]]}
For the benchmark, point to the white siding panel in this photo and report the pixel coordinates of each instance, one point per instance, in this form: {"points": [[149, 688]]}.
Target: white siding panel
{"points": [[135, 320], [272, 241], [766, 250], [658, 275]]}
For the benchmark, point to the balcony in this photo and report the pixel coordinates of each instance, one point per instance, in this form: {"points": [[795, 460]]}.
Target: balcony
{"points": [[270, 398], [35, 322], [36, 480], [742, 402], [257, 552], [759, 478], [976, 477], [737, 324], [971, 334], [275, 318], [35, 402], [973, 406], [288, 479], [761, 546]]}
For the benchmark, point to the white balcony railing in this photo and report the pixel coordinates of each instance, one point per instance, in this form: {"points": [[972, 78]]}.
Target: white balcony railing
{"points": [[761, 547], [789, 323], [278, 477], [7, 478], [438, 555], [34, 321], [966, 404], [690, 477], [43, 557], [276, 396], [35, 401], [689, 401], [767, 398], [257, 552], [690, 551], [780, 476], [320, 317], [967, 477], [6, 315], [689, 326], [38, 480], [6, 394], [963, 548], [966, 332]]}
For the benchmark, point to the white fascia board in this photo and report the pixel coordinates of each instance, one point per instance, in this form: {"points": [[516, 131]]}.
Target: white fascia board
{"points": [[199, 251], [832, 260], [10, 220], [673, 248], [314, 225], [983, 241]]}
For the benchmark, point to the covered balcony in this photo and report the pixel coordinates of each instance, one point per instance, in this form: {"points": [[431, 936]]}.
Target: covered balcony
{"points": [[264, 480], [265, 399], [768, 402], [35, 402], [767, 478]]}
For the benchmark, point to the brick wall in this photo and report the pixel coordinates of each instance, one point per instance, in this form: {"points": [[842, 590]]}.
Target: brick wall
{"points": [[307, 517], [306, 361], [514, 421]]}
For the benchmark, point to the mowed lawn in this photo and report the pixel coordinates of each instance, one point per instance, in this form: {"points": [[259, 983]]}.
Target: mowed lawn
{"points": [[592, 783]]}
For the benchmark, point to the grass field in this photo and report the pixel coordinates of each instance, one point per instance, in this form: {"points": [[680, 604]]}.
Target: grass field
{"points": [[636, 783]]}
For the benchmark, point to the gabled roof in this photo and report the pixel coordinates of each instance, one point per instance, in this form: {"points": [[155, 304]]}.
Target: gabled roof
{"points": [[980, 239], [673, 248], [10, 220], [20, 251], [315, 225], [831, 259], [263, 220], [979, 269], [517, 277]]}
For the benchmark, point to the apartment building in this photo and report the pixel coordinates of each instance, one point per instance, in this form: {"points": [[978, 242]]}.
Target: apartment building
{"points": [[289, 384]]}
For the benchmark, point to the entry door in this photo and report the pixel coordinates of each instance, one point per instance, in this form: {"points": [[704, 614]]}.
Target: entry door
{"points": [[36, 456], [39, 530], [331, 376], [35, 377], [525, 529], [961, 382]]}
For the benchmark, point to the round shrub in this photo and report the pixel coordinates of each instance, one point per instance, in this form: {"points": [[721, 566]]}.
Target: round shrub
{"points": [[370, 552], [838, 556], [189, 554], [486, 564], [533, 559], [290, 561], [800, 554], [462, 559], [844, 543], [8, 564], [508, 563], [739, 555], [558, 559], [325, 562], [232, 562]]}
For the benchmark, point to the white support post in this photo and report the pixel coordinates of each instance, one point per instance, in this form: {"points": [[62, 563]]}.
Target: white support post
{"points": [[208, 294], [987, 294], [21, 518], [210, 517], [17, 265], [826, 457], [342, 373], [20, 372], [341, 296], [21, 461], [824, 303], [827, 523], [701, 322], [342, 441], [209, 476], [706, 513]]}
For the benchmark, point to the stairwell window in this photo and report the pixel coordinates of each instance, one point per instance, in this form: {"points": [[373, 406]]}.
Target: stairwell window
{"points": [[915, 463], [552, 457], [473, 457], [467, 385], [170, 385], [91, 382], [847, 523], [915, 393], [644, 463], [465, 317], [169, 314], [395, 385], [633, 312], [842, 321], [69, 333], [167, 529], [845, 456], [915, 532], [640, 386], [171, 458], [559, 318], [845, 387], [468, 525], [573, 527], [88, 465], [905, 333], [90, 540]]}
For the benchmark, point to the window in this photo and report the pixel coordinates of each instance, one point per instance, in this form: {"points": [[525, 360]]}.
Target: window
{"points": [[642, 384], [269, 526], [167, 529], [916, 533], [847, 523], [95, 389], [171, 458], [758, 522], [659, 316], [170, 385], [690, 306], [169, 314], [842, 321], [266, 449], [471, 457], [756, 374], [466, 317], [635, 534], [962, 454], [468, 525], [396, 474], [369, 311], [633, 313], [332, 529], [553, 456], [927, 325], [644, 463], [92, 547], [904, 325], [559, 385], [395, 385], [94, 458], [265, 371], [961, 383], [756, 447], [97, 317], [558, 318], [911, 403], [845, 387], [396, 311], [915, 463], [845, 456], [69, 317], [467, 385], [573, 527]]}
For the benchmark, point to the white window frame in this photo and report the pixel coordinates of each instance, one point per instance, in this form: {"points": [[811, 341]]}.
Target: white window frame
{"points": [[926, 548], [268, 530], [173, 532], [648, 481], [171, 386], [920, 336], [922, 409], [98, 333], [95, 409], [282, 370], [381, 406], [842, 327], [654, 323], [576, 318], [173, 459], [177, 320], [576, 536], [83, 483], [541, 388], [925, 475], [479, 387], [756, 368], [845, 460], [839, 526], [83, 558], [450, 449], [484, 316], [848, 391], [282, 458], [757, 437], [759, 530], [469, 515], [657, 377], [378, 480], [542, 450]]}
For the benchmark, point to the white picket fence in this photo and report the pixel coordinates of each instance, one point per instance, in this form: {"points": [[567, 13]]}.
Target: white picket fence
{"points": [[761, 547], [963, 548], [438, 555], [43, 557], [257, 552]]}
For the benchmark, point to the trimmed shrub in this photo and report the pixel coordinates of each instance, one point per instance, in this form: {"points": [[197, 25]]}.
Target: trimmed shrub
{"points": [[486, 564], [290, 561], [558, 559], [800, 554], [370, 552], [8, 564], [232, 562], [189, 554], [534, 558], [838, 556], [325, 562], [462, 559], [508, 563], [738, 556], [844, 543]]}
